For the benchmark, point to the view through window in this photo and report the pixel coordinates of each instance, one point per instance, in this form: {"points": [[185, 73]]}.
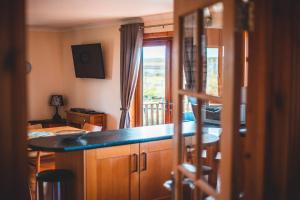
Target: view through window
{"points": [[212, 71], [156, 79]]}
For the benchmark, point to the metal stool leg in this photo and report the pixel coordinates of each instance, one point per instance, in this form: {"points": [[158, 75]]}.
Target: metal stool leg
{"points": [[53, 191], [59, 190], [40, 190]]}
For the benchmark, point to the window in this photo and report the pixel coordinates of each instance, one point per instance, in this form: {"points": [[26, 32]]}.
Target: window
{"points": [[212, 84], [153, 98]]}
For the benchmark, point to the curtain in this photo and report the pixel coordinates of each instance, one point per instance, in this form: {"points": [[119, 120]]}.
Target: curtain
{"points": [[189, 70], [131, 49], [189, 63]]}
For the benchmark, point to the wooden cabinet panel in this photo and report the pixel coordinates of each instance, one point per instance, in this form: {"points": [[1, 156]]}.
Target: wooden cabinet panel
{"points": [[155, 169], [79, 119], [112, 173]]}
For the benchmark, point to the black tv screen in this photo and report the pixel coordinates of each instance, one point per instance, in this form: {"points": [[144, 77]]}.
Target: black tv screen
{"points": [[88, 61]]}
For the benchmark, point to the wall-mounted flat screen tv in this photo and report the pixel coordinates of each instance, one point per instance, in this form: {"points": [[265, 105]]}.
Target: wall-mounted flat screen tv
{"points": [[88, 61]]}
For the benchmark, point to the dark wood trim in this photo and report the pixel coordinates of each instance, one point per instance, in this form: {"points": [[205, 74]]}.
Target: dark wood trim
{"points": [[13, 121]]}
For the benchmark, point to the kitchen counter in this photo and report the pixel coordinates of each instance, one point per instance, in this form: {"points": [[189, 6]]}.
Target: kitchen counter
{"points": [[121, 137]]}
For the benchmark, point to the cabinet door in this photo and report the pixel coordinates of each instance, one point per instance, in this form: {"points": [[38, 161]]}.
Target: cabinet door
{"points": [[112, 173], [155, 169]]}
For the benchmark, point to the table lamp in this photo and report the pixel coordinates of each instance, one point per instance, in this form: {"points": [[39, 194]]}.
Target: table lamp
{"points": [[57, 101]]}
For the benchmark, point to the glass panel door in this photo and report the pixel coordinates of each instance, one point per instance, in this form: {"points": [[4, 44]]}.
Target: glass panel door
{"points": [[207, 99], [156, 82]]}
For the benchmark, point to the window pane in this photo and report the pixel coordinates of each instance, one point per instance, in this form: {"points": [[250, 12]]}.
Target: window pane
{"points": [[212, 84], [154, 84]]}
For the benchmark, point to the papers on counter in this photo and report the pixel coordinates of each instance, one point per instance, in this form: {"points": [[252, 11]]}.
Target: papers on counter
{"points": [[39, 134]]}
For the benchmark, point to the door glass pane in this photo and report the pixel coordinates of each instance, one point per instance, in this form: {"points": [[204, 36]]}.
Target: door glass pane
{"points": [[212, 84], [189, 50], [207, 142], [213, 61], [154, 84]]}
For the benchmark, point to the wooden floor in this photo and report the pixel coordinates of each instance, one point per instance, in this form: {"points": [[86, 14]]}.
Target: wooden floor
{"points": [[45, 165]]}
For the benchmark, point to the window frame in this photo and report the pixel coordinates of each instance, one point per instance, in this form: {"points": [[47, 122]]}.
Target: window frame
{"points": [[150, 39]]}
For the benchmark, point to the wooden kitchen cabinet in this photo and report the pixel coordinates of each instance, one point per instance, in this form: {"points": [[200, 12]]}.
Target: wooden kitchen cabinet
{"points": [[112, 173], [125, 172], [155, 169]]}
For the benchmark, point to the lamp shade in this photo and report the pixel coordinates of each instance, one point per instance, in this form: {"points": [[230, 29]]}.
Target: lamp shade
{"points": [[56, 100]]}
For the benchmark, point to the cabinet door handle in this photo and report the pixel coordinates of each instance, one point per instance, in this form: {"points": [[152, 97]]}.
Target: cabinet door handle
{"points": [[134, 163], [144, 161]]}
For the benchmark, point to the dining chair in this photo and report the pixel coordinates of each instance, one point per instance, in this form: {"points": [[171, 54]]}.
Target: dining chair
{"points": [[34, 157], [210, 157], [34, 126], [91, 127]]}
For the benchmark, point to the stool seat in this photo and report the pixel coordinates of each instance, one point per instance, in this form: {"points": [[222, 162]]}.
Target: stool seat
{"points": [[56, 175]]}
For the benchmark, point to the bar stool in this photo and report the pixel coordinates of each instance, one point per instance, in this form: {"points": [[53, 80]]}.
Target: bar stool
{"points": [[60, 181], [187, 185]]}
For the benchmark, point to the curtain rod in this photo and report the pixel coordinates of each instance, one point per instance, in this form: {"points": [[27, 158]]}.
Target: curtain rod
{"points": [[152, 26], [158, 25]]}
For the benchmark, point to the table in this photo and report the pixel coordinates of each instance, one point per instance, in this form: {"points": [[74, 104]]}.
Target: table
{"points": [[48, 123], [47, 132], [53, 131]]}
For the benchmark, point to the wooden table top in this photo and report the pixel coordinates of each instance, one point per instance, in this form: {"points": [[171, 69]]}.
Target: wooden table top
{"points": [[54, 131]]}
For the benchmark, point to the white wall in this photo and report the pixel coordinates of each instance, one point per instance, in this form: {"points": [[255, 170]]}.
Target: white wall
{"points": [[101, 95], [45, 55], [53, 69]]}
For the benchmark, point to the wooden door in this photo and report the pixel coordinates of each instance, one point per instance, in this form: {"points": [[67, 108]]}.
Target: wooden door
{"points": [[155, 168], [192, 19], [13, 137], [112, 173]]}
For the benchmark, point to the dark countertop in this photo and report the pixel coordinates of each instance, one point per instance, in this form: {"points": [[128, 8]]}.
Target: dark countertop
{"points": [[121, 137]]}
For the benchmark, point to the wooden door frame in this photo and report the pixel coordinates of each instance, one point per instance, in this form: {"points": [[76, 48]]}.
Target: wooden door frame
{"points": [[13, 103], [273, 141], [164, 38], [230, 99]]}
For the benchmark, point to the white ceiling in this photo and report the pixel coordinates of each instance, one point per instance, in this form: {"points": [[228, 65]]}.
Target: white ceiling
{"points": [[72, 13]]}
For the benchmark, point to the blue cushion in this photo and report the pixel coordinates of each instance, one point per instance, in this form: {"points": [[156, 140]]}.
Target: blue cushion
{"points": [[188, 116]]}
